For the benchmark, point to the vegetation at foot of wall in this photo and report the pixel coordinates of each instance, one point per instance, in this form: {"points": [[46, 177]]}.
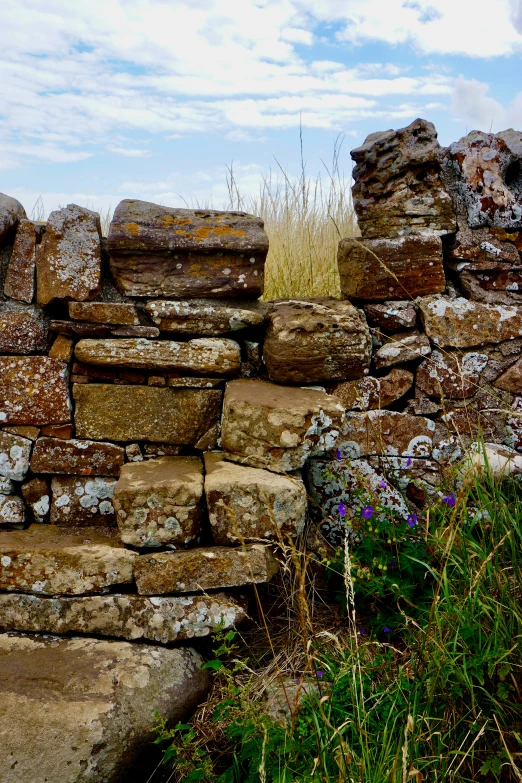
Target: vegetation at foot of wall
{"points": [[433, 695]]}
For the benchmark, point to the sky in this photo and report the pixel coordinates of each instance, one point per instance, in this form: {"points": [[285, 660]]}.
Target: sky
{"points": [[102, 100]]}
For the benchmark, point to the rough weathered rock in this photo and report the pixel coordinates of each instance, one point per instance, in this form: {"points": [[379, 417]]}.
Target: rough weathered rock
{"points": [[460, 323], [45, 561], [62, 348], [392, 316], [206, 355], [15, 453], [380, 269], [6, 486], [37, 495], [194, 383], [388, 433], [278, 427], [451, 375], [247, 504], [124, 413], [11, 213], [20, 277], [23, 329], [207, 568], [160, 501], [88, 329], [133, 453], [160, 619], [203, 317], [493, 287], [511, 379], [119, 313], [97, 696], [76, 457], [402, 347], [25, 431], [397, 183], [33, 390], [369, 393], [491, 458], [11, 510], [487, 412], [184, 253], [315, 341], [82, 502]]}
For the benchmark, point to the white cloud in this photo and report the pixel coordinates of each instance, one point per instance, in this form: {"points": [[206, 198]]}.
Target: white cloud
{"points": [[472, 105], [129, 152]]}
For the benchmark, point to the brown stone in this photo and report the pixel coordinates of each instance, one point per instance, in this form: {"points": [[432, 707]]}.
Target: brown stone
{"points": [[248, 504], [203, 317], [493, 287], [161, 450], [15, 453], [380, 269], [37, 495], [44, 560], [397, 184], [194, 383], [392, 316], [130, 376], [184, 253], [64, 431], [76, 457], [23, 329], [62, 348], [369, 393], [205, 355], [386, 433], [207, 568], [315, 341], [12, 510], [124, 413], [31, 433], [402, 347], [11, 213], [460, 323], [100, 373], [133, 452], [118, 313], [511, 379], [82, 502], [278, 427], [20, 277], [156, 380], [451, 375], [87, 329], [160, 501], [33, 390]]}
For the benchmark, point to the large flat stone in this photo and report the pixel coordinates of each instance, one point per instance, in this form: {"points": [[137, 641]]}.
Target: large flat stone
{"points": [[33, 390], [247, 504], [160, 619], [15, 453], [387, 433], [316, 341], [207, 568], [159, 415], [11, 213], [374, 392], [184, 253], [82, 502], [461, 323], [76, 457], [23, 329], [120, 313], [20, 277], [206, 356], [160, 501], [44, 560], [380, 269], [88, 705], [203, 316], [278, 427]]}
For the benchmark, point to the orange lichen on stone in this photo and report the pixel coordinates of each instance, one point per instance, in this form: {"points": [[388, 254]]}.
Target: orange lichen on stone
{"points": [[204, 232], [170, 220], [132, 228]]}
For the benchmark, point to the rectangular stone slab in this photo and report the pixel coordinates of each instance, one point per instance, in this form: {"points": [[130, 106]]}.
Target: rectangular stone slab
{"points": [[204, 569], [184, 253], [33, 390], [119, 313], [160, 619], [461, 323], [76, 457], [23, 329], [43, 560], [203, 316], [82, 502], [156, 414], [88, 329], [20, 277]]}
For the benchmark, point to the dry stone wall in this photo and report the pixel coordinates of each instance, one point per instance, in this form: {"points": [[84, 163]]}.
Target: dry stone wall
{"points": [[162, 427]]}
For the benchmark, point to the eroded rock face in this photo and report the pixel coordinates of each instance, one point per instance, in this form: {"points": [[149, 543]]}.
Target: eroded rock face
{"points": [[311, 342], [207, 568], [15, 453], [460, 323], [393, 316], [82, 502], [12, 510], [33, 390], [23, 329], [380, 269], [402, 347], [11, 213], [161, 619], [45, 561], [511, 379], [68, 261], [247, 504], [37, 495], [206, 356], [160, 501], [119, 313], [369, 393], [126, 413], [184, 253], [398, 188], [451, 375], [76, 457], [203, 317], [20, 276], [97, 696], [278, 427], [387, 433]]}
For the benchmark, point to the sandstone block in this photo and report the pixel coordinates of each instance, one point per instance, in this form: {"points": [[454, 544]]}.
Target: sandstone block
{"points": [[380, 269], [460, 323], [118, 313], [62, 348], [392, 316], [68, 261], [402, 347], [278, 427], [397, 184], [82, 502], [511, 379], [11, 510], [33, 390], [369, 393], [194, 383], [37, 495], [125, 413], [158, 251], [387, 433], [45, 561], [76, 457], [89, 329], [25, 431], [11, 213], [247, 504], [97, 696], [64, 431], [23, 329], [206, 356], [15, 454], [207, 568], [203, 316], [315, 341], [160, 501], [20, 276], [160, 619], [451, 375]]}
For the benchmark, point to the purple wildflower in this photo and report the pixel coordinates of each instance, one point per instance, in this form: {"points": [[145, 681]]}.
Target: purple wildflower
{"points": [[362, 630], [382, 484], [386, 629], [320, 673], [338, 455], [408, 462], [449, 500], [367, 512], [412, 520], [341, 508]]}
